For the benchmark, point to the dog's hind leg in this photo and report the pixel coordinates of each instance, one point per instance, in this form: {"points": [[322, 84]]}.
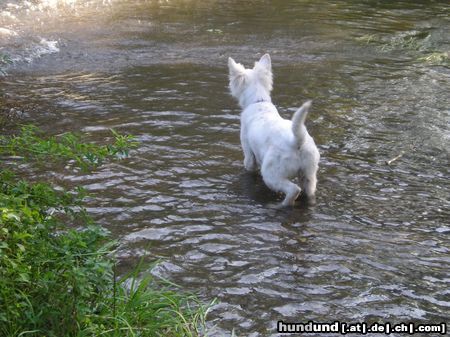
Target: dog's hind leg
{"points": [[308, 184], [291, 190], [275, 183]]}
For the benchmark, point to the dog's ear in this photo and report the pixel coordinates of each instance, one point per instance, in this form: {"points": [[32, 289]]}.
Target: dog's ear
{"points": [[263, 71], [237, 77], [265, 62], [236, 69]]}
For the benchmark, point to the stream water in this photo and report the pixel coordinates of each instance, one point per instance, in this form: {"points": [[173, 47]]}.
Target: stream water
{"points": [[375, 247]]}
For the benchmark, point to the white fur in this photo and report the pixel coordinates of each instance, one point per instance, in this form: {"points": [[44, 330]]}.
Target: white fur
{"points": [[280, 148]]}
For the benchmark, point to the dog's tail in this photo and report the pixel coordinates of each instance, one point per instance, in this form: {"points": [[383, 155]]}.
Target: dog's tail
{"points": [[298, 122]]}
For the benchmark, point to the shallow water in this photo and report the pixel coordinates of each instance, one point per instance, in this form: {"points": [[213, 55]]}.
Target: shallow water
{"points": [[376, 247]]}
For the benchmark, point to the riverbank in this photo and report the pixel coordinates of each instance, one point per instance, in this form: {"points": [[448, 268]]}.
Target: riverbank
{"points": [[57, 268]]}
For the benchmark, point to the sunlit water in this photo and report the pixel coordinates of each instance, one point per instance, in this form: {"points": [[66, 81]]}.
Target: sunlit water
{"points": [[376, 247]]}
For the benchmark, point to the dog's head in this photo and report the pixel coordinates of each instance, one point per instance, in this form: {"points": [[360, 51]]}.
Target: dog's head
{"points": [[259, 77]]}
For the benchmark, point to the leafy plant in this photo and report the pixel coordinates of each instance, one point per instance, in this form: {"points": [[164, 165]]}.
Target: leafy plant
{"points": [[59, 281], [48, 273], [32, 143]]}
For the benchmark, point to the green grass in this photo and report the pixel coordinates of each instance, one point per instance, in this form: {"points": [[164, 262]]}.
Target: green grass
{"points": [[57, 268]]}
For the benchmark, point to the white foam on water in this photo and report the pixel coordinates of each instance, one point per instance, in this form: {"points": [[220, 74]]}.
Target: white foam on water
{"points": [[7, 15], [44, 47], [5, 32], [19, 38]]}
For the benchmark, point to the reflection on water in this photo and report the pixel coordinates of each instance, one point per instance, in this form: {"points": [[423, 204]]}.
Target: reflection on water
{"points": [[376, 245]]}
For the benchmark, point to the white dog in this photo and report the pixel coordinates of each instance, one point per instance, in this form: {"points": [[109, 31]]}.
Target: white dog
{"points": [[281, 148]]}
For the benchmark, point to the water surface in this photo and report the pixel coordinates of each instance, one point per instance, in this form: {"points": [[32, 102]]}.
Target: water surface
{"points": [[376, 245]]}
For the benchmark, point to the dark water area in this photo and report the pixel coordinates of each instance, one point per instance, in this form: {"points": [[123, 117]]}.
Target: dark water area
{"points": [[375, 247]]}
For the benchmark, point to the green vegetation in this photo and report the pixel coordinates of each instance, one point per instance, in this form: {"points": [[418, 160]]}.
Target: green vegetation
{"points": [[412, 42], [436, 58], [402, 43], [367, 38], [408, 41], [4, 61], [57, 268], [32, 144]]}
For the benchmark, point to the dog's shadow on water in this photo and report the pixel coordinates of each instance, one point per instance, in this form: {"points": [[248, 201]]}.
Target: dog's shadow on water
{"points": [[252, 186]]}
